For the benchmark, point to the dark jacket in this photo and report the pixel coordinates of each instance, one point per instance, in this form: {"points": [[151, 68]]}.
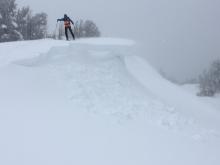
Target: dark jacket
{"points": [[66, 20]]}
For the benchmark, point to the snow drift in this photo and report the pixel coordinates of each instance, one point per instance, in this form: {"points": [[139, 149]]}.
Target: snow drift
{"points": [[96, 101]]}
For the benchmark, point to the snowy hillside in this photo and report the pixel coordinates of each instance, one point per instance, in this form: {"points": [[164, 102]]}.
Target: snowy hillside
{"points": [[97, 102], [212, 101]]}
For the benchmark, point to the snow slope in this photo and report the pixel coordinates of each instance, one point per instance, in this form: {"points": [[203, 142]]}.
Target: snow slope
{"points": [[212, 101], [95, 101]]}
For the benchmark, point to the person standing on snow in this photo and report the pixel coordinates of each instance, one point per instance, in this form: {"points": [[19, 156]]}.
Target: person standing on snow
{"points": [[67, 23]]}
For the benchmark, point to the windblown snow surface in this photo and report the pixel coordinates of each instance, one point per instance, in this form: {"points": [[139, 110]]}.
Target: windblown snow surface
{"points": [[97, 102]]}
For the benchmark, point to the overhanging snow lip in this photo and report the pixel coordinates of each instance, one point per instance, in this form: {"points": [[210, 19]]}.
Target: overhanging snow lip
{"points": [[106, 41]]}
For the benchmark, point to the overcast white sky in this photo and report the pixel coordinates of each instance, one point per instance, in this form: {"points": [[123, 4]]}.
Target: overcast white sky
{"points": [[179, 36]]}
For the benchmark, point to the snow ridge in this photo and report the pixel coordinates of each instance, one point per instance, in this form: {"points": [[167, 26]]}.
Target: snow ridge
{"points": [[99, 79], [96, 101]]}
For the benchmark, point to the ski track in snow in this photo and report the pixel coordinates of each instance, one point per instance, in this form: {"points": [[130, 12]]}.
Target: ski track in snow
{"points": [[96, 79]]}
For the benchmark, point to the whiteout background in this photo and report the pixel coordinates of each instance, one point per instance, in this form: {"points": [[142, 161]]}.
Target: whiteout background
{"points": [[179, 37]]}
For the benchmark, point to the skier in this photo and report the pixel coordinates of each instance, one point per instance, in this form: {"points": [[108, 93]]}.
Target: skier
{"points": [[67, 25]]}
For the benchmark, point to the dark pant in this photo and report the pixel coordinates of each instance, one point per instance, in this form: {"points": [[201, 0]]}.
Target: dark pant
{"points": [[66, 32]]}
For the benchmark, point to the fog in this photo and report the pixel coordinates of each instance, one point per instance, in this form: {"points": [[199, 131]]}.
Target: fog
{"points": [[179, 37]]}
